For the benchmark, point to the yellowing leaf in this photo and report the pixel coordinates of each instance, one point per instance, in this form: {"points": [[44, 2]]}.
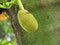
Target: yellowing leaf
{"points": [[3, 16]]}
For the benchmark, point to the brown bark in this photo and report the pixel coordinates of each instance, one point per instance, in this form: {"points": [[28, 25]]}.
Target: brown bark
{"points": [[15, 25]]}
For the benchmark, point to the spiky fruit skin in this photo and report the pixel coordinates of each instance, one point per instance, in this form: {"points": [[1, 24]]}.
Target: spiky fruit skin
{"points": [[27, 21]]}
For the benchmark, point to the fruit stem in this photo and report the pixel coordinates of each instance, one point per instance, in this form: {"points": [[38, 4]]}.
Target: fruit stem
{"points": [[1, 6], [20, 4]]}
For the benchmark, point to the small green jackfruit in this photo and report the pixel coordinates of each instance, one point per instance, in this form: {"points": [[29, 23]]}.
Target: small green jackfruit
{"points": [[27, 21]]}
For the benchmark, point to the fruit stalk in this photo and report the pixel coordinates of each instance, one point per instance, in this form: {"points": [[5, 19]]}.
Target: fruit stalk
{"points": [[20, 4]]}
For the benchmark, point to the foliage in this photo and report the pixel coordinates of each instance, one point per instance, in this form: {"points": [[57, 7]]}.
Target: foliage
{"points": [[6, 33], [49, 25]]}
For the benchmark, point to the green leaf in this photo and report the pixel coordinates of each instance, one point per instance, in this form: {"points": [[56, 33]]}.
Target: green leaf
{"points": [[2, 1], [2, 32]]}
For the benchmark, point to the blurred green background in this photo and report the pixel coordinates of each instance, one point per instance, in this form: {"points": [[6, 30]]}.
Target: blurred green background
{"points": [[47, 14]]}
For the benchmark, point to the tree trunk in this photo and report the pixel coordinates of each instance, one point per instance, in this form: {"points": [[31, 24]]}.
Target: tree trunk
{"points": [[15, 25]]}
